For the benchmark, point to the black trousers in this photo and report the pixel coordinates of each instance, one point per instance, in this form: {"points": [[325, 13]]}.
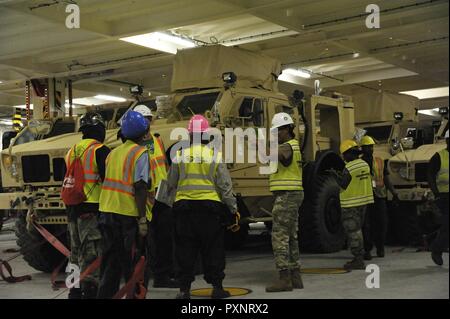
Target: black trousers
{"points": [[440, 244], [162, 227], [160, 242], [375, 224], [119, 240], [199, 229]]}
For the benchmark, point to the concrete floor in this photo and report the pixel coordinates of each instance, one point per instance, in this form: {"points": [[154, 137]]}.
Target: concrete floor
{"points": [[403, 274]]}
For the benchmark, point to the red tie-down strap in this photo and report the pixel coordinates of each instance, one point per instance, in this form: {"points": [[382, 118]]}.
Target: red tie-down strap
{"points": [[66, 252], [4, 265], [134, 288]]}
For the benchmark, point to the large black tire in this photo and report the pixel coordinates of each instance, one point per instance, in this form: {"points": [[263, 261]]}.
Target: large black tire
{"points": [[36, 251], [320, 225]]}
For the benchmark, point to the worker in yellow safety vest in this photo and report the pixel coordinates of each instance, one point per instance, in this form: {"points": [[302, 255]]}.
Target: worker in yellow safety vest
{"points": [[160, 236], [201, 185], [375, 223], [82, 219], [286, 185], [356, 193], [125, 204], [438, 181]]}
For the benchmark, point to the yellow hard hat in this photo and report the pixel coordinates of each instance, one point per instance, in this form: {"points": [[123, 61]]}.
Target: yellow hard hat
{"points": [[367, 140], [346, 145]]}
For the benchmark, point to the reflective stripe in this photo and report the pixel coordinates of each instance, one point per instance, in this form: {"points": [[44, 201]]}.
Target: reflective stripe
{"points": [[290, 177], [196, 188], [116, 185], [128, 166], [360, 191], [198, 176], [94, 177]]}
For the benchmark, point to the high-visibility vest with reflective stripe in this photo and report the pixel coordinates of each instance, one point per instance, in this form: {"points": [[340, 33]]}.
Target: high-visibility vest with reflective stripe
{"points": [[92, 182], [359, 192], [442, 175], [378, 177], [288, 178], [197, 167], [117, 194], [158, 161]]}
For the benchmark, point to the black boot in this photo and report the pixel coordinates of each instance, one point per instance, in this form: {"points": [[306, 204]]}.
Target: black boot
{"points": [[89, 290], [355, 263], [437, 258], [380, 252], [165, 282], [185, 292], [219, 293], [367, 255], [75, 293]]}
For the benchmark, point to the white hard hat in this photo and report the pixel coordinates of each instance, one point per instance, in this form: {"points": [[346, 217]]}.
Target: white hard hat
{"points": [[281, 119], [446, 134], [143, 109]]}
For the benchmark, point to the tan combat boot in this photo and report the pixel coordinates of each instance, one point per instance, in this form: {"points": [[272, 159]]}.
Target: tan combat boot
{"points": [[297, 282], [283, 284]]}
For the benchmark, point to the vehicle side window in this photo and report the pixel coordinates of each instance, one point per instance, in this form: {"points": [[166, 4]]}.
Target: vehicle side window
{"points": [[252, 110], [258, 113], [245, 109]]}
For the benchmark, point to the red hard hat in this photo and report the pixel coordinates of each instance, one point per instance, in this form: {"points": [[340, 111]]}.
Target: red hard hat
{"points": [[198, 124]]}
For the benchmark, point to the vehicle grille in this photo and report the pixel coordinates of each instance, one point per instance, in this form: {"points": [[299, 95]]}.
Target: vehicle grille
{"points": [[421, 172], [59, 169], [36, 168]]}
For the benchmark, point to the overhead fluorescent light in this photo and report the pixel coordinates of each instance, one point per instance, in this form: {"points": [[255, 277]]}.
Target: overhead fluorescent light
{"points": [[110, 98], [22, 106], [6, 122], [296, 72], [428, 93], [160, 41], [430, 112], [1, 82]]}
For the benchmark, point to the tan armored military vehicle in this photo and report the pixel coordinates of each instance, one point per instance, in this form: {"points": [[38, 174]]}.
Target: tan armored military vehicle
{"points": [[419, 215], [202, 84], [407, 145]]}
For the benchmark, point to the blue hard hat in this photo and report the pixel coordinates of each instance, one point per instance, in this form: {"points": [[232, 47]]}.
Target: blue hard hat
{"points": [[134, 125]]}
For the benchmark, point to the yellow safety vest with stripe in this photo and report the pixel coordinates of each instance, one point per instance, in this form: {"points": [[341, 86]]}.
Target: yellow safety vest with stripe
{"points": [[197, 167], [92, 182], [117, 194], [359, 191], [442, 175], [378, 178], [158, 161], [288, 178]]}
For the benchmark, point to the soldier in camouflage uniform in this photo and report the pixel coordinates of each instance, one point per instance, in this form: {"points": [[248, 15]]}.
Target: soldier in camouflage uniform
{"points": [[286, 185], [356, 194], [83, 218]]}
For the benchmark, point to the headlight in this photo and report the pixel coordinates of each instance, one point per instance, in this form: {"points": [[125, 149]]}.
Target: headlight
{"points": [[396, 167], [403, 172], [6, 161], [9, 163]]}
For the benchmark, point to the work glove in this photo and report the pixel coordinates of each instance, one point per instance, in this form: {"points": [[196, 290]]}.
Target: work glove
{"points": [[142, 225], [235, 226]]}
